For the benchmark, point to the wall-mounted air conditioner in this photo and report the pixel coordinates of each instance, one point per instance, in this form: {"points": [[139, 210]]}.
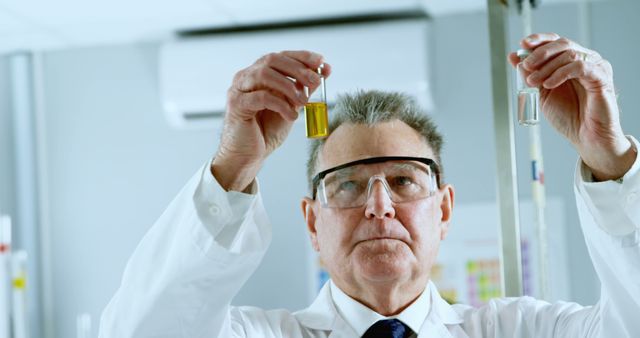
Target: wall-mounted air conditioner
{"points": [[195, 73]]}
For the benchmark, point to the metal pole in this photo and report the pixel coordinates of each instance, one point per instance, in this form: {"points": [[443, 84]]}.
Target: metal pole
{"points": [[537, 183], [27, 216], [510, 257], [47, 328]]}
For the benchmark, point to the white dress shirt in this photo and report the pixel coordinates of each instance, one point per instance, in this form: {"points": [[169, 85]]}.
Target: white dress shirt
{"points": [[360, 317]]}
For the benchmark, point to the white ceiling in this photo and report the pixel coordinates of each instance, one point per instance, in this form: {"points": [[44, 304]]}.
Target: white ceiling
{"points": [[42, 24]]}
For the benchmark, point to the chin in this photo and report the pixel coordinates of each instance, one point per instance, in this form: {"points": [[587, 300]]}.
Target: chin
{"points": [[385, 273], [384, 261]]}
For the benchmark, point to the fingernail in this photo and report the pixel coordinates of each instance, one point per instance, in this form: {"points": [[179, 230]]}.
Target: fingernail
{"points": [[529, 39]]}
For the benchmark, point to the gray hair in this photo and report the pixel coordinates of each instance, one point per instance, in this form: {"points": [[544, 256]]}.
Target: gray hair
{"points": [[372, 107]]}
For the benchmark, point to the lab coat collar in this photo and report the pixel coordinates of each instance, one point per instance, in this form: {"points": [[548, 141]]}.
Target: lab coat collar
{"points": [[440, 319], [322, 315], [443, 309]]}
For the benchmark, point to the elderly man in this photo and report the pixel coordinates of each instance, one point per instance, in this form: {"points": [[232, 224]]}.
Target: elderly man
{"points": [[377, 213]]}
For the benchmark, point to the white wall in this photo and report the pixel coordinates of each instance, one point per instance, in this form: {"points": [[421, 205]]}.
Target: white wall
{"points": [[114, 163], [615, 30]]}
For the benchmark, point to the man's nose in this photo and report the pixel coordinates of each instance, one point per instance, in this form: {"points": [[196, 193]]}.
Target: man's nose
{"points": [[379, 203]]}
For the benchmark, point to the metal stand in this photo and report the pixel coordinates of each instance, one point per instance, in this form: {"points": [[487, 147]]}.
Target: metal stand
{"points": [[27, 194], [510, 256]]}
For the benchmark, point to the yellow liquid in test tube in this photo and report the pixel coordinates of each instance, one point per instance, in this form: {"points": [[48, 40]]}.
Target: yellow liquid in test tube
{"points": [[316, 120]]}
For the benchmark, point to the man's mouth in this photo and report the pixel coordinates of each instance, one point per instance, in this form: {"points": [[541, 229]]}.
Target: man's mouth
{"points": [[380, 239]]}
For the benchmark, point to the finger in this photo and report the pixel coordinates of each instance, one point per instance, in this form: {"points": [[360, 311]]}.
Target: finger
{"points": [[300, 87], [293, 68], [310, 59], [313, 61], [538, 77], [590, 75], [263, 77], [514, 59], [537, 39], [326, 71], [543, 54], [248, 104]]}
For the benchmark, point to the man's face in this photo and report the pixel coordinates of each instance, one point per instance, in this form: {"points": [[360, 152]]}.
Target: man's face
{"points": [[381, 242]]}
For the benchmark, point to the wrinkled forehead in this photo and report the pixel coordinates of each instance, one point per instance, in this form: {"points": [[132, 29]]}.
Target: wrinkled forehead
{"points": [[351, 142]]}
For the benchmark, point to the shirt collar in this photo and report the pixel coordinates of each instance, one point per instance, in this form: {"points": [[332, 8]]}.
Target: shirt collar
{"points": [[360, 317]]}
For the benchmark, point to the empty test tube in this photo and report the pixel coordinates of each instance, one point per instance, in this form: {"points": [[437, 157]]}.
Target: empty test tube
{"points": [[528, 97]]}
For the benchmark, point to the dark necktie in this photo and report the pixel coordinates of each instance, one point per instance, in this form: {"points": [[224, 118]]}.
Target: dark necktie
{"points": [[388, 328]]}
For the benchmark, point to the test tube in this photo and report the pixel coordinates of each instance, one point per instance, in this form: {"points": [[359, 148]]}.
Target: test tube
{"points": [[315, 111], [19, 298], [528, 97]]}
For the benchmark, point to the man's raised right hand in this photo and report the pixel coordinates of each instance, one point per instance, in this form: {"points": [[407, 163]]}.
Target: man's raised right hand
{"points": [[262, 105]]}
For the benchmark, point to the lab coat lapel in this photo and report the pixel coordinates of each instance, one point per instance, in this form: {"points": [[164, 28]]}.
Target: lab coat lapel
{"points": [[322, 315], [440, 318]]}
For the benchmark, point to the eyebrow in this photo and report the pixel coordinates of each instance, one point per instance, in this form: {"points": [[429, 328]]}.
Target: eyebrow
{"points": [[339, 174], [411, 165], [348, 171]]}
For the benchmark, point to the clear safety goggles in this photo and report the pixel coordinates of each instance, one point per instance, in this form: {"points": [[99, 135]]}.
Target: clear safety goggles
{"points": [[349, 185]]}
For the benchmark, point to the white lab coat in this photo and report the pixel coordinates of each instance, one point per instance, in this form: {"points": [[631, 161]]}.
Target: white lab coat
{"points": [[188, 267]]}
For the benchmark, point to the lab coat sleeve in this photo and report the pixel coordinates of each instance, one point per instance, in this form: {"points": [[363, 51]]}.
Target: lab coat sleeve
{"points": [[610, 217], [191, 263]]}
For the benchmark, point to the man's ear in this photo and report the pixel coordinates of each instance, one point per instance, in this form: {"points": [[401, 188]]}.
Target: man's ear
{"points": [[309, 214], [446, 207]]}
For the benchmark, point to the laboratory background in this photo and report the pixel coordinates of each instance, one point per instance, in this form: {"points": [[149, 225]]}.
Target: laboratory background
{"points": [[108, 108]]}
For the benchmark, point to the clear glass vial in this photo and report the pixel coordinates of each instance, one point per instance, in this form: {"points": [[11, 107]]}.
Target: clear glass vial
{"points": [[528, 97], [315, 111]]}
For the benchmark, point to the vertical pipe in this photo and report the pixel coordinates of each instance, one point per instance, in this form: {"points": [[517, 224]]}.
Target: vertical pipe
{"points": [[510, 255], [539, 202], [584, 23], [46, 285], [26, 183], [537, 183]]}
